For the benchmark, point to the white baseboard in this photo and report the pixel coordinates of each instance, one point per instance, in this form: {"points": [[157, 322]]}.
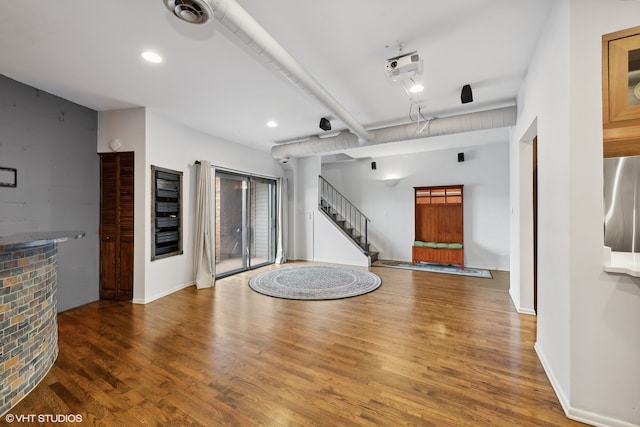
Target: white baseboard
{"points": [[596, 419], [161, 294], [519, 309], [552, 379], [363, 263], [572, 413]]}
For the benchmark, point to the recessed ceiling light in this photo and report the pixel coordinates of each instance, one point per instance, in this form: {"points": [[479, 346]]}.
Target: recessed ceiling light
{"points": [[152, 57], [272, 124], [416, 88]]}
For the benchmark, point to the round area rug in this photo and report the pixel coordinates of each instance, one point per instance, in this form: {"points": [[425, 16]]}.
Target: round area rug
{"points": [[315, 282]]}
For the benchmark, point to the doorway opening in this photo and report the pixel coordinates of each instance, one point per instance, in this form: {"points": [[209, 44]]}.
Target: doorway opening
{"points": [[526, 296], [535, 224], [245, 221]]}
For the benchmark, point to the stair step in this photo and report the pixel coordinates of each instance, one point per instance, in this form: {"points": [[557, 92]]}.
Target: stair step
{"points": [[351, 232]]}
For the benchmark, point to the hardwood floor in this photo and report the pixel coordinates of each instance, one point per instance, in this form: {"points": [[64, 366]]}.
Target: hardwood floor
{"points": [[424, 349]]}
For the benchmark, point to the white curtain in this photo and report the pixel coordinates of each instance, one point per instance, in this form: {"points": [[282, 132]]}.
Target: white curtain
{"points": [[283, 222], [204, 251]]}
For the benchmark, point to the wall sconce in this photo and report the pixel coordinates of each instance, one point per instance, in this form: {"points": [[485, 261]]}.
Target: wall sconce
{"points": [[391, 182], [115, 145]]}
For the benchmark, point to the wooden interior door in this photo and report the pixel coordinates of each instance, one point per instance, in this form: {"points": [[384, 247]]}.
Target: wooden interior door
{"points": [[116, 225]]}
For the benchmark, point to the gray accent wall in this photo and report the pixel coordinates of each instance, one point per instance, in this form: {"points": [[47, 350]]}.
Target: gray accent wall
{"points": [[52, 143]]}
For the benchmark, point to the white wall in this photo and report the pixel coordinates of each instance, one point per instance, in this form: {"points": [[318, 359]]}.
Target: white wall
{"points": [[543, 104], [331, 245], [588, 320], [605, 308], [165, 146], [305, 178], [484, 173], [128, 127], [521, 221], [172, 145], [160, 141], [315, 237]]}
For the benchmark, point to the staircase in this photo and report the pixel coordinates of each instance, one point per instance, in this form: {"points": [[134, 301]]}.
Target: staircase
{"points": [[353, 223]]}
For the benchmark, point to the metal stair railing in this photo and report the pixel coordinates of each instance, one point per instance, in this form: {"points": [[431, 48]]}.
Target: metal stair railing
{"points": [[344, 214]]}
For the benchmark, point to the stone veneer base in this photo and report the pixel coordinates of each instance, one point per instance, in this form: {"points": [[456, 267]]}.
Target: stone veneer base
{"points": [[28, 320]]}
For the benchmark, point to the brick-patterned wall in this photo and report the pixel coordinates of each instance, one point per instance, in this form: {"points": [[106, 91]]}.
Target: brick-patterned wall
{"points": [[28, 322]]}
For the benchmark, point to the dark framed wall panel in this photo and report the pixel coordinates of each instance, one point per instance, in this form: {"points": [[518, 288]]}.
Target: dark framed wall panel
{"points": [[166, 213]]}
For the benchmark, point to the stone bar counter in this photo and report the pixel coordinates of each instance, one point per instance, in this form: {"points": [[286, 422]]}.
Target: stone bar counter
{"points": [[28, 317]]}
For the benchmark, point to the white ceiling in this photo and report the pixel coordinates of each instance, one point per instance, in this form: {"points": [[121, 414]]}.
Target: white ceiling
{"points": [[88, 52]]}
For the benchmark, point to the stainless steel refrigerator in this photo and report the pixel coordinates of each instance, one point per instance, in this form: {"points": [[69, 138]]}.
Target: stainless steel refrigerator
{"points": [[622, 204]]}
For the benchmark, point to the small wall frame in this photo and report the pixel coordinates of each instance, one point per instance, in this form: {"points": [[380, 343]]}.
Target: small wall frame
{"points": [[8, 177], [166, 213]]}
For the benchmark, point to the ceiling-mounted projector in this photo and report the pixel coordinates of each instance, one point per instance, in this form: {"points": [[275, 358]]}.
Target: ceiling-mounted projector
{"points": [[403, 66]]}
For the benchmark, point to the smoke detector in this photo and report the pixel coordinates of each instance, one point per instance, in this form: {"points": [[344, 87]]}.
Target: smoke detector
{"points": [[191, 11]]}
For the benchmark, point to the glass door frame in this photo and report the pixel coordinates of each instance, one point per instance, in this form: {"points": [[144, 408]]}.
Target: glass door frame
{"points": [[247, 226], [272, 199]]}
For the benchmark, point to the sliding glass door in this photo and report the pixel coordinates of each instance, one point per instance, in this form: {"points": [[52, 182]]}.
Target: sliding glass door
{"points": [[262, 222], [231, 220], [245, 222]]}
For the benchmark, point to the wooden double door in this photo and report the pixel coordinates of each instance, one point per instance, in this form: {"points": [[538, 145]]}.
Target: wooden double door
{"points": [[116, 225]]}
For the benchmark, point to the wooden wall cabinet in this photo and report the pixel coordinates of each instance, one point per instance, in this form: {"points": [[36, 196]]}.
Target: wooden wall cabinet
{"points": [[621, 93], [439, 221]]}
